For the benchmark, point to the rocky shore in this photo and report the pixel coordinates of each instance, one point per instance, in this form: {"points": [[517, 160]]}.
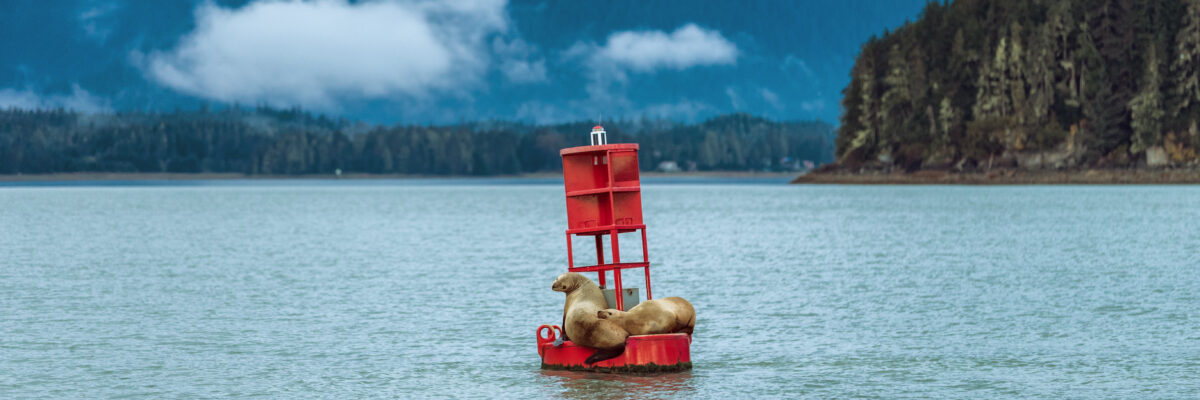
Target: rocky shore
{"points": [[1007, 177]]}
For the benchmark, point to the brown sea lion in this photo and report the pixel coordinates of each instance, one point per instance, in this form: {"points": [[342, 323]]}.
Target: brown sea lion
{"points": [[580, 323], [667, 315]]}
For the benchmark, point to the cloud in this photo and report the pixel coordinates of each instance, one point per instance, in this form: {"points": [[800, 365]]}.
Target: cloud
{"points": [[517, 61], [608, 67], [686, 109], [734, 99], [813, 105], [519, 71], [771, 98], [577, 110], [689, 46], [78, 100], [312, 53], [795, 65], [543, 113], [96, 19]]}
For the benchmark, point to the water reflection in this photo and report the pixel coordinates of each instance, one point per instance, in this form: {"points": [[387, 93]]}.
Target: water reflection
{"points": [[587, 385]]}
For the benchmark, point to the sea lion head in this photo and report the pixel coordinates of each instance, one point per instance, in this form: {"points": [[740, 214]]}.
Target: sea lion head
{"points": [[605, 314], [567, 282]]}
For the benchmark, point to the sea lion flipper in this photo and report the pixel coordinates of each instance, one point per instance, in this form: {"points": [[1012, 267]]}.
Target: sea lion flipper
{"points": [[604, 354]]}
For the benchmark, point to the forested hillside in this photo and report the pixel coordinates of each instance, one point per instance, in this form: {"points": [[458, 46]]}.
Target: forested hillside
{"points": [[1034, 84], [268, 141]]}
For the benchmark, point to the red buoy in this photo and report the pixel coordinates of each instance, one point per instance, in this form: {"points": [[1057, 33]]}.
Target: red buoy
{"points": [[643, 353], [604, 199]]}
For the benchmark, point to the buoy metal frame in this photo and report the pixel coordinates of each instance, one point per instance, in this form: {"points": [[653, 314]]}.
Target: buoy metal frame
{"points": [[603, 193]]}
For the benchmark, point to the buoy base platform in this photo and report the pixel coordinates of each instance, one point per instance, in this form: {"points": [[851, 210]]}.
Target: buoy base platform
{"points": [[643, 354]]}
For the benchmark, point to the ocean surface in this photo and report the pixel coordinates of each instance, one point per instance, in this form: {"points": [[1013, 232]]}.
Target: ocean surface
{"points": [[434, 288]]}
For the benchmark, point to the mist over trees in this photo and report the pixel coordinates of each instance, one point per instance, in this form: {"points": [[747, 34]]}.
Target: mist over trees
{"points": [[270, 141], [974, 84]]}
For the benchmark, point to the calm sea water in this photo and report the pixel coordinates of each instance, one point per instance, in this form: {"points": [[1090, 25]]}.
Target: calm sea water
{"points": [[294, 289]]}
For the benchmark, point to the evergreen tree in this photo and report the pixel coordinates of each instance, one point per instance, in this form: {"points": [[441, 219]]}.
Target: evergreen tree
{"points": [[267, 141], [896, 104], [866, 137], [851, 118], [1112, 33], [1185, 68], [1147, 107], [981, 80]]}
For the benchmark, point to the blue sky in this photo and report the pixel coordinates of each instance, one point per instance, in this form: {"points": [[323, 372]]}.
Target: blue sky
{"points": [[441, 62]]}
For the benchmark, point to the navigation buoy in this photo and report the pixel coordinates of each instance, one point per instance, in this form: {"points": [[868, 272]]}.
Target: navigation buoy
{"points": [[604, 199]]}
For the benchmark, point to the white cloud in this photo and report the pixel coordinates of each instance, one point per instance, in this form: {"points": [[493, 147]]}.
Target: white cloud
{"points": [[96, 19], [795, 65], [312, 53], [686, 110], [813, 105], [689, 46], [771, 98], [543, 113], [608, 66], [734, 99], [577, 110], [78, 100], [520, 71], [23, 99], [517, 61]]}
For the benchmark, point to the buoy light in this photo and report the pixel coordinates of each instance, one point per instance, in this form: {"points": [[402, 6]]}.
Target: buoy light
{"points": [[599, 136]]}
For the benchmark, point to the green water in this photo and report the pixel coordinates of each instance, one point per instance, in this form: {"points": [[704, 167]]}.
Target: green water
{"points": [[299, 289]]}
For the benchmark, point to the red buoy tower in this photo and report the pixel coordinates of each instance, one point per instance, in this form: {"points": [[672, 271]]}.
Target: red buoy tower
{"points": [[604, 200]]}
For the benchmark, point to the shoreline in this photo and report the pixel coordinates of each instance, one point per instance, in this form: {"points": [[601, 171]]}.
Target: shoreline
{"points": [[927, 177], [203, 176], [1009, 177]]}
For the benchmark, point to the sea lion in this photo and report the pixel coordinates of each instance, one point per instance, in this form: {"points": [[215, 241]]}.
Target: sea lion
{"points": [[667, 315], [580, 323]]}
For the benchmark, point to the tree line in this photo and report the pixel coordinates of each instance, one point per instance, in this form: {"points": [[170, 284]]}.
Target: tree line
{"points": [[271, 141], [976, 83]]}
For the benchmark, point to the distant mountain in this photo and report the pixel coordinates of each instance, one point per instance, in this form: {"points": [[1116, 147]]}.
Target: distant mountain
{"points": [[1029, 84]]}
